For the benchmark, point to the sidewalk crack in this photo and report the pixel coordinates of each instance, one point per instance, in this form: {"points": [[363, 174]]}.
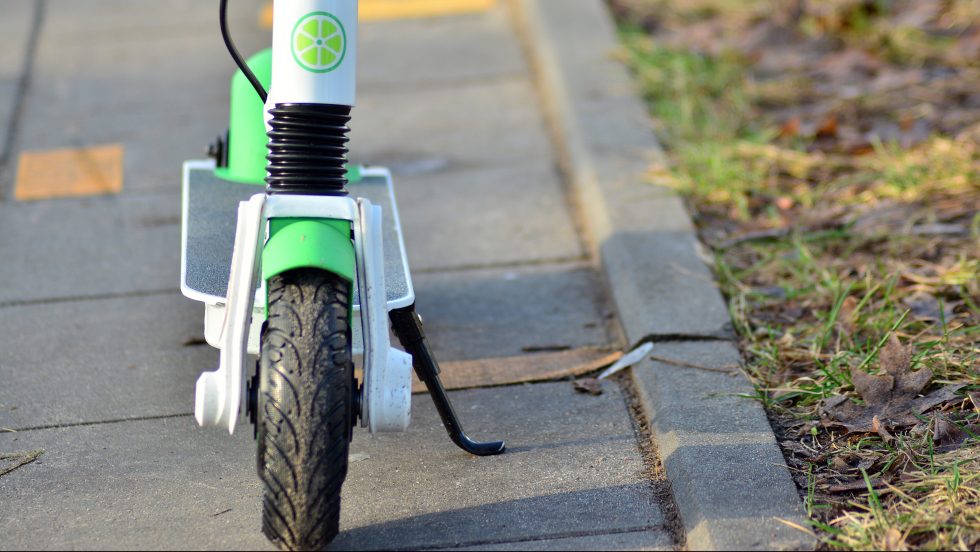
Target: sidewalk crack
{"points": [[95, 422]]}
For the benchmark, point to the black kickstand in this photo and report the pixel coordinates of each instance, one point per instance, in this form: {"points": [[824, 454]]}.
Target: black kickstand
{"points": [[407, 325]]}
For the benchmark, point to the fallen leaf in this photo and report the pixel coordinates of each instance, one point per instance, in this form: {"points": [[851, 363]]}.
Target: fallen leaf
{"points": [[891, 400], [591, 386], [840, 464], [849, 66], [791, 128], [877, 426], [949, 437], [856, 485], [18, 459], [827, 127], [925, 306]]}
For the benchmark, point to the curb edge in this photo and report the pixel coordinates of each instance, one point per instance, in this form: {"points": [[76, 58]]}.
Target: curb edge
{"points": [[626, 221]]}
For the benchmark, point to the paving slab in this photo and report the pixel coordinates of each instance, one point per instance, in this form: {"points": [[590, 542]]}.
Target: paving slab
{"points": [[168, 484], [89, 246], [61, 356], [157, 83], [505, 312], [467, 125], [152, 159], [572, 466], [729, 479], [486, 217], [639, 540], [109, 359], [15, 28], [153, 484], [660, 283], [433, 52], [107, 18]]}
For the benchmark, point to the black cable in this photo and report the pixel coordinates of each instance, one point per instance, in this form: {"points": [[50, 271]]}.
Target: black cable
{"points": [[223, 20]]}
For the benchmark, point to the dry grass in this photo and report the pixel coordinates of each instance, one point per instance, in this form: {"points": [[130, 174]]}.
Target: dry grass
{"points": [[829, 152]]}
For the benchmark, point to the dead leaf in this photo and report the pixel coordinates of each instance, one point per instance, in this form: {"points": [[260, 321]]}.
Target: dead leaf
{"points": [[891, 400], [850, 65], [18, 459], [949, 437], [877, 426], [526, 368], [925, 306], [827, 127], [791, 128], [840, 464], [591, 386], [856, 485]]}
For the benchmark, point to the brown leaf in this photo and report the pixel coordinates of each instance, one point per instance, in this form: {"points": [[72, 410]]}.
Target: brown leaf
{"points": [[894, 358], [849, 65], [949, 437], [591, 386], [873, 389], [925, 306], [791, 128], [857, 485], [893, 414], [891, 400], [878, 428], [827, 127]]}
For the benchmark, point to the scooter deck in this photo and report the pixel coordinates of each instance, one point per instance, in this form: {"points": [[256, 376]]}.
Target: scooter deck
{"points": [[210, 211]]}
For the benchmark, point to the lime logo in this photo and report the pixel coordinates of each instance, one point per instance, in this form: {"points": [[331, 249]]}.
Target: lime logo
{"points": [[319, 42]]}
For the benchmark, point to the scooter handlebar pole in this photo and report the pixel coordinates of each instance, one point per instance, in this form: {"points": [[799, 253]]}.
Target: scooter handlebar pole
{"points": [[314, 52]]}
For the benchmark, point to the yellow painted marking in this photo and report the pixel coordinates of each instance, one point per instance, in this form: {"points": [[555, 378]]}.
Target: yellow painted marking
{"points": [[69, 172], [265, 16], [375, 10]]}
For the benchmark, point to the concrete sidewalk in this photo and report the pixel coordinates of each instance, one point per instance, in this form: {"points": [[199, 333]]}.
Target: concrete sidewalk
{"points": [[101, 354]]}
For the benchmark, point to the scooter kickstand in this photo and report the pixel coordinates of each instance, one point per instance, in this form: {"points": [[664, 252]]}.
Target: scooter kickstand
{"points": [[407, 326]]}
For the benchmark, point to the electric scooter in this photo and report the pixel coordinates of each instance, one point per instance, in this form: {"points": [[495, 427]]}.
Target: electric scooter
{"points": [[309, 273]]}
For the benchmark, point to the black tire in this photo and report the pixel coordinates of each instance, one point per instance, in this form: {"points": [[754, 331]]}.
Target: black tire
{"points": [[304, 408]]}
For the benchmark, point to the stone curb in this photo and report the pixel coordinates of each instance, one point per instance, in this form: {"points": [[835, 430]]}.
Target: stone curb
{"points": [[729, 479]]}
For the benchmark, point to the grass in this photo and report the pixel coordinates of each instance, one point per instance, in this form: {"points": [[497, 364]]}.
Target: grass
{"points": [[824, 249]]}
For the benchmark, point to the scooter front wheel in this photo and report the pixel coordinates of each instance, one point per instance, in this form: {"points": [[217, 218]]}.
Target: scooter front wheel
{"points": [[305, 407]]}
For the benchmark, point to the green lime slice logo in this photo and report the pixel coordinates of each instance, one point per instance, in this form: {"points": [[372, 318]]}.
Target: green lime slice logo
{"points": [[319, 42]]}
